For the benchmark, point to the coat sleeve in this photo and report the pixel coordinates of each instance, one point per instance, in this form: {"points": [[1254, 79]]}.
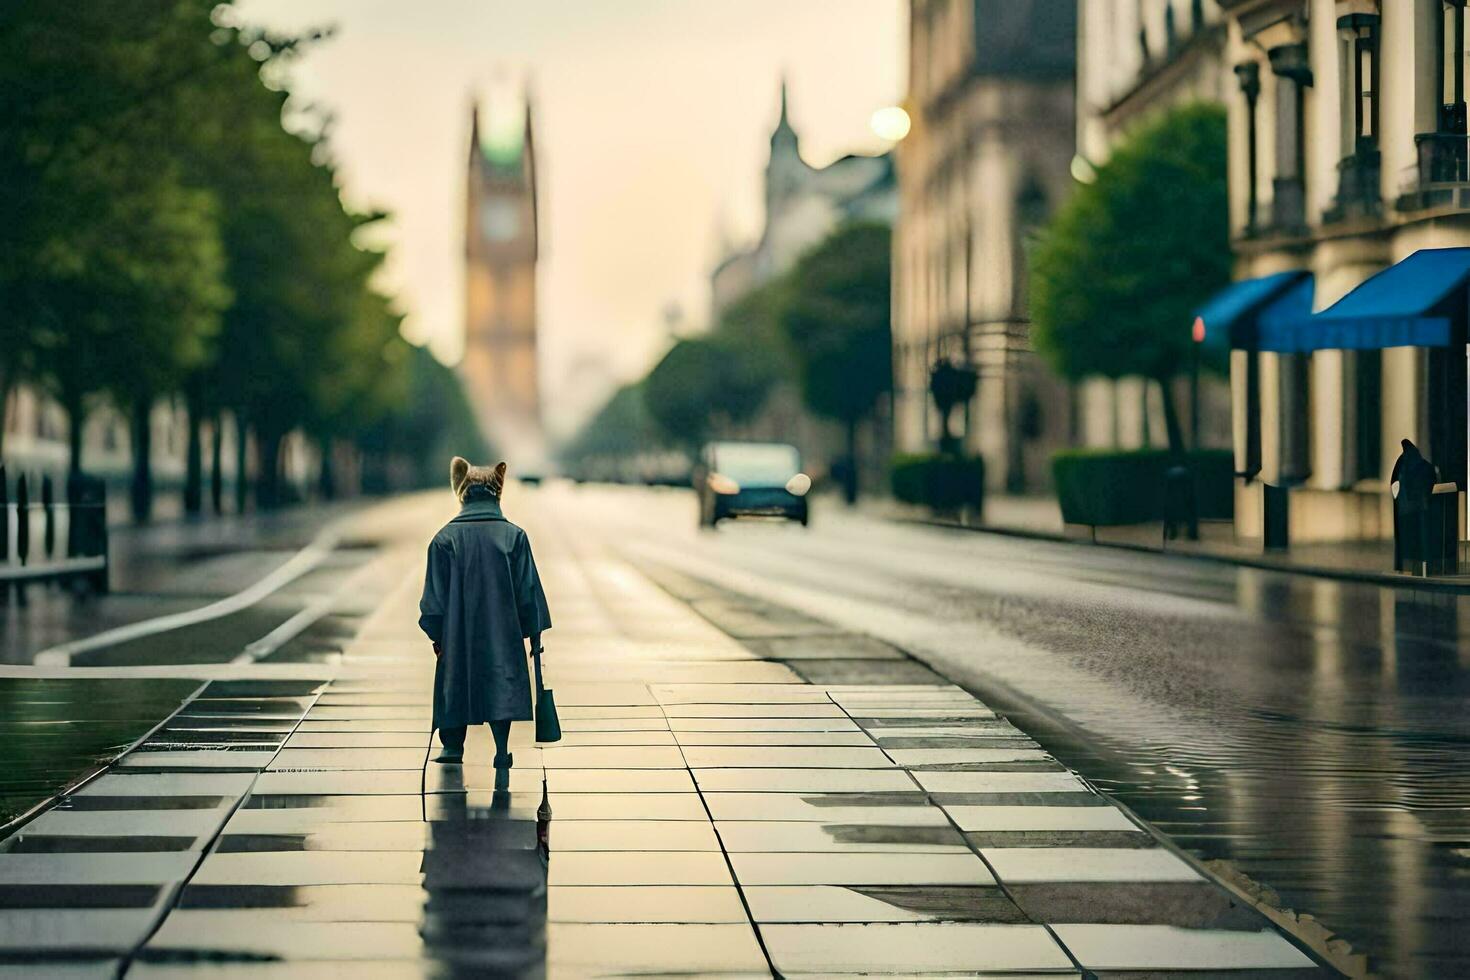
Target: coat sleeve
{"points": [[436, 593], [531, 607]]}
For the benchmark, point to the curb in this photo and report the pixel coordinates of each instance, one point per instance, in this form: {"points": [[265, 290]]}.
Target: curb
{"points": [[1438, 583]]}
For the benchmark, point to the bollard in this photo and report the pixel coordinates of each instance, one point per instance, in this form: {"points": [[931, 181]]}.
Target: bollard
{"points": [[48, 512]]}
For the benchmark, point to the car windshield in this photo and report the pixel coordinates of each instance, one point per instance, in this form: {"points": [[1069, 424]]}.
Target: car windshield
{"points": [[758, 462]]}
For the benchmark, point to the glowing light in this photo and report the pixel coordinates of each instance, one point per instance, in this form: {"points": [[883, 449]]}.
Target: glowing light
{"points": [[799, 484], [1198, 332], [722, 484], [890, 123]]}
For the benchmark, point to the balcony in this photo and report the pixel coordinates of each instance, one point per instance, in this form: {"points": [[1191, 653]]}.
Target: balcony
{"points": [[1359, 193], [1442, 177]]}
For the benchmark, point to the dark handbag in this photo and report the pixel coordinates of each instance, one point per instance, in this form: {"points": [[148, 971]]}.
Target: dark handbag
{"points": [[548, 726]]}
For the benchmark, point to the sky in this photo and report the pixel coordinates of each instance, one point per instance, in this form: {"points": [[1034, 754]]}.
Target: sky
{"points": [[652, 120]]}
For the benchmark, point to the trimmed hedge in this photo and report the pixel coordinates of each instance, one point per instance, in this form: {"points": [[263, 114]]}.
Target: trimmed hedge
{"points": [[945, 483], [1107, 487]]}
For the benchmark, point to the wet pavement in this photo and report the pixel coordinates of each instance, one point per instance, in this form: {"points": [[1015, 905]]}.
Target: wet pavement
{"points": [[714, 811], [1305, 736]]}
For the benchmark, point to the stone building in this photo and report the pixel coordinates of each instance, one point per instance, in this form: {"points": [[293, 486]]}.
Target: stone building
{"points": [[500, 368], [987, 159], [1350, 204]]}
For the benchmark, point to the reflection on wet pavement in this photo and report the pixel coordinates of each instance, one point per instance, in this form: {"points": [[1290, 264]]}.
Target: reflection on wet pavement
{"points": [[758, 825]]}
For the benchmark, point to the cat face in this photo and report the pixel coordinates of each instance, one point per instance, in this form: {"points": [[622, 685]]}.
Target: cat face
{"points": [[462, 476]]}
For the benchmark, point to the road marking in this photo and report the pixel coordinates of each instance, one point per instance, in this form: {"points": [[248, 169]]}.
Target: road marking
{"points": [[299, 564]]}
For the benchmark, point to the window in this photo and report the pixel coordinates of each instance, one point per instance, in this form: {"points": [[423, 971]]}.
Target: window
{"points": [[1359, 38], [1293, 75], [1452, 66]]}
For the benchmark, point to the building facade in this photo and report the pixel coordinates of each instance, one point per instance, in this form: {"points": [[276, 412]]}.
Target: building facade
{"points": [[987, 159], [500, 367], [1347, 155]]}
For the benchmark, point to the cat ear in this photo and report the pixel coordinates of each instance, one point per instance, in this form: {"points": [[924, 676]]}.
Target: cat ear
{"points": [[459, 468], [497, 478]]}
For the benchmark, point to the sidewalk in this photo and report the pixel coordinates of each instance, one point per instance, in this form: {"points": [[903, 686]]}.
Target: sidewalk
{"points": [[713, 814], [1040, 517]]}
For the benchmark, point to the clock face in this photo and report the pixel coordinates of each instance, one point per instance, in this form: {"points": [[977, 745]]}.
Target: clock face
{"points": [[500, 220]]}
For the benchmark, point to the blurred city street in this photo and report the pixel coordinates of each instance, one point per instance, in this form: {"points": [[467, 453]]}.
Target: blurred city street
{"points": [[783, 698]]}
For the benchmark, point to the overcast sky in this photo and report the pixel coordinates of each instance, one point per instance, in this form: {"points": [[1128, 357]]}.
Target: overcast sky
{"points": [[651, 116]]}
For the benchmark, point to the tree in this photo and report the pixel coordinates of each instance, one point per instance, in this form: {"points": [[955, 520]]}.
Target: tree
{"points": [[109, 260], [705, 385], [836, 318], [1120, 269]]}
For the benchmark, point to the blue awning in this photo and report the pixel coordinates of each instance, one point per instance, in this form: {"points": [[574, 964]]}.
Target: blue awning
{"points": [[1232, 313], [1415, 303]]}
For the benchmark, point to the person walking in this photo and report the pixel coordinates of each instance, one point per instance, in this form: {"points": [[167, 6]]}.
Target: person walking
{"points": [[1411, 483], [482, 602]]}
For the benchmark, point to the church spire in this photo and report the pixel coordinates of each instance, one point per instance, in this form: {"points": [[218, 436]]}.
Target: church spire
{"points": [[784, 133]]}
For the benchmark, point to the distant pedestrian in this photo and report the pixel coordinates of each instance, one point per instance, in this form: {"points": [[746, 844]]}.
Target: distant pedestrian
{"points": [[482, 601], [1411, 483]]}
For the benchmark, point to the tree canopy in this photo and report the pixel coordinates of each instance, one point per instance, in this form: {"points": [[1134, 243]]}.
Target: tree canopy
{"points": [[1117, 274], [167, 234], [836, 320]]}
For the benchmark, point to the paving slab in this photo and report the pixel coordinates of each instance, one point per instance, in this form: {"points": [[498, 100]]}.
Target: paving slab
{"points": [[1142, 947], [890, 948], [773, 780], [777, 757], [633, 835], [923, 903], [1028, 818], [727, 950], [646, 903], [612, 757], [1000, 782], [811, 837], [861, 869], [612, 868], [1032, 864], [888, 809]]}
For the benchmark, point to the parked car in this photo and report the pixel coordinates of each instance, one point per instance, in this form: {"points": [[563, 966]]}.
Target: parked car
{"points": [[751, 479]]}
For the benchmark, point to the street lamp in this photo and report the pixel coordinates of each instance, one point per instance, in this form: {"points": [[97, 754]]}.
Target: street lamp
{"points": [[891, 123], [1196, 334]]}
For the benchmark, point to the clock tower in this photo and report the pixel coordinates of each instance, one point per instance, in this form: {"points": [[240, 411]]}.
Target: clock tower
{"points": [[500, 368]]}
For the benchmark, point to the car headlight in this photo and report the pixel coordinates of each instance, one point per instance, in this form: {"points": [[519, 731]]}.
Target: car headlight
{"points": [[722, 484], [799, 484]]}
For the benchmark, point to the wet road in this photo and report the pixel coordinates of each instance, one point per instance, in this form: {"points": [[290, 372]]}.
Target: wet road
{"points": [[1308, 734]]}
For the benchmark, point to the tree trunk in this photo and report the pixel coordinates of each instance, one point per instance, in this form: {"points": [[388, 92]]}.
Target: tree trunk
{"points": [[216, 475], [142, 486], [328, 476], [7, 382], [850, 472], [268, 480], [242, 457], [77, 420], [1171, 418], [193, 460]]}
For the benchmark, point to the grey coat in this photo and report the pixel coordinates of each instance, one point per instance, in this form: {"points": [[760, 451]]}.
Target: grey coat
{"points": [[482, 599]]}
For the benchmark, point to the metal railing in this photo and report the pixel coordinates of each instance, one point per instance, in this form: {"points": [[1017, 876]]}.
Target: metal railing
{"points": [[49, 540]]}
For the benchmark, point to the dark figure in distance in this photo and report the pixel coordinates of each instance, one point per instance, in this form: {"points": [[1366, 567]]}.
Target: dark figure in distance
{"points": [[1411, 482], [482, 601]]}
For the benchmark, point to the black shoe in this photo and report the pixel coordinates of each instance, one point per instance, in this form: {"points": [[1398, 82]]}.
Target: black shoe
{"points": [[504, 761], [450, 756]]}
